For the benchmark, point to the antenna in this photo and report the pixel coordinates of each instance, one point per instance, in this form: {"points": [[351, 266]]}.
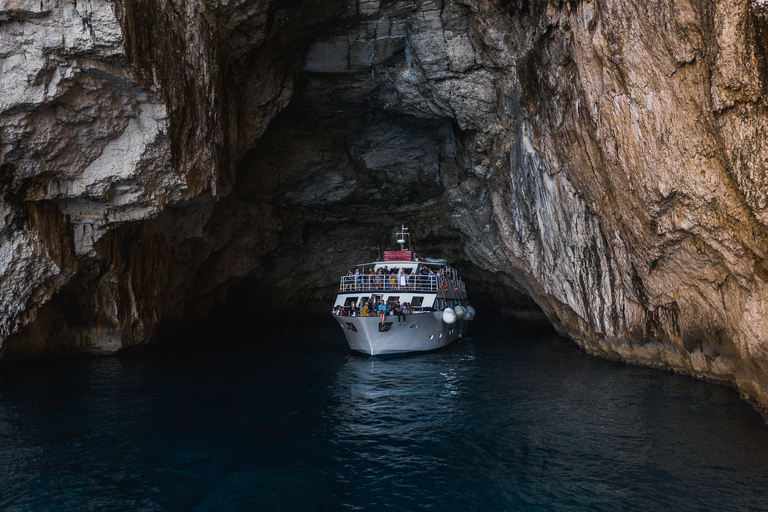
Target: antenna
{"points": [[401, 237]]}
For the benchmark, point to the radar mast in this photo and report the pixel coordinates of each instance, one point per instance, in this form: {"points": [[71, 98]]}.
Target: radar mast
{"points": [[401, 237]]}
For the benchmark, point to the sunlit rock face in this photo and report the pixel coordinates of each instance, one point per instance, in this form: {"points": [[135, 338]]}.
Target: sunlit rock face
{"points": [[600, 163], [653, 113]]}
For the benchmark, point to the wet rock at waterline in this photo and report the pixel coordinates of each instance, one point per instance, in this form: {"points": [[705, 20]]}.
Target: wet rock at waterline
{"points": [[600, 162]]}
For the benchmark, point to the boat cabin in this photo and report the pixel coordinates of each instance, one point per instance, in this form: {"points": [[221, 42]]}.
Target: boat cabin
{"points": [[408, 267]]}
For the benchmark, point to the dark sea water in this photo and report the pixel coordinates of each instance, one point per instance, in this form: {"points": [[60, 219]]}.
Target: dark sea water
{"points": [[514, 419]]}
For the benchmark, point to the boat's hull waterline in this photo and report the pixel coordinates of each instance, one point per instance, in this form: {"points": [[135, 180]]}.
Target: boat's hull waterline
{"points": [[420, 332]]}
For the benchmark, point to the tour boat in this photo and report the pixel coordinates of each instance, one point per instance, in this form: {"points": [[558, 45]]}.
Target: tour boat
{"points": [[438, 313]]}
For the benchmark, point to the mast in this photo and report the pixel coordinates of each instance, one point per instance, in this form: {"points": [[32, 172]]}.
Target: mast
{"points": [[401, 237]]}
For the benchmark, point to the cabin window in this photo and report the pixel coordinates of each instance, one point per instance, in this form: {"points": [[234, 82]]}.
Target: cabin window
{"points": [[350, 301], [392, 299], [417, 302]]}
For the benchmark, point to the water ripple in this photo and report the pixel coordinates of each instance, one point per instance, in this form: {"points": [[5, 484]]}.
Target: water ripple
{"points": [[521, 421]]}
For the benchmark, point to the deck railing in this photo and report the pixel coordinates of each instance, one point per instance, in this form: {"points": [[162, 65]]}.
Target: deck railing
{"points": [[381, 282]]}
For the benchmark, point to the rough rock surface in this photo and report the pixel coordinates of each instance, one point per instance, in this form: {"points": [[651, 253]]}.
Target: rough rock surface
{"points": [[84, 148], [601, 160]]}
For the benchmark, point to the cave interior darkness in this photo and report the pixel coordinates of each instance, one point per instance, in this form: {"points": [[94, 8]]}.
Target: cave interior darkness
{"points": [[338, 174], [349, 159]]}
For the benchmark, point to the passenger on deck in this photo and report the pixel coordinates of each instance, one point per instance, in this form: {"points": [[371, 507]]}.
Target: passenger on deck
{"points": [[371, 278], [357, 277], [382, 308], [403, 279], [365, 307], [348, 280], [399, 311]]}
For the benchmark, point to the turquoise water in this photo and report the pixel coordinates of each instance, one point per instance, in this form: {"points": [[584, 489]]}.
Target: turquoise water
{"points": [[514, 419]]}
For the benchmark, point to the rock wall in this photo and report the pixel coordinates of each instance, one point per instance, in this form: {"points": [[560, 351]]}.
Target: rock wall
{"points": [[600, 162], [664, 235], [84, 148]]}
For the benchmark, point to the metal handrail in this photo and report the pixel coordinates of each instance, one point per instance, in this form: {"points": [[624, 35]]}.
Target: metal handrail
{"points": [[382, 282]]}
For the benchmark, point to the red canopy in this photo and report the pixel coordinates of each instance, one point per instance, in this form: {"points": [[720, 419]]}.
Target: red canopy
{"points": [[397, 255]]}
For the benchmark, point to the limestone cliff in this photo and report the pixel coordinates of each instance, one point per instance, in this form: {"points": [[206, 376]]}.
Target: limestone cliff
{"points": [[600, 160]]}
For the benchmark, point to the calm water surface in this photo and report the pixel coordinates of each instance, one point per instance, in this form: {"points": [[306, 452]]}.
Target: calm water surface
{"points": [[514, 419]]}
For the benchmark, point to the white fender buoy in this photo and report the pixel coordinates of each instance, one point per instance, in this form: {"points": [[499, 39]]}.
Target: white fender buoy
{"points": [[449, 316], [468, 316], [470, 313], [460, 311]]}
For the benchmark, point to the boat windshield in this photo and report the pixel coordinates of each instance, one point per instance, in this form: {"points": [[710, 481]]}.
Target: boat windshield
{"points": [[407, 266]]}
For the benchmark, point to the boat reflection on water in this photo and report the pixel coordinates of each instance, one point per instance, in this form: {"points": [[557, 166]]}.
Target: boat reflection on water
{"points": [[393, 417], [406, 396]]}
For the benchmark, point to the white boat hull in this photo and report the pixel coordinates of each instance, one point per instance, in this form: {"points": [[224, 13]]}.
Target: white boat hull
{"points": [[420, 332]]}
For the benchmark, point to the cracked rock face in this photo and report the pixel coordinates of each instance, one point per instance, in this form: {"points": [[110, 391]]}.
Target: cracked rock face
{"points": [[83, 147], [601, 163]]}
